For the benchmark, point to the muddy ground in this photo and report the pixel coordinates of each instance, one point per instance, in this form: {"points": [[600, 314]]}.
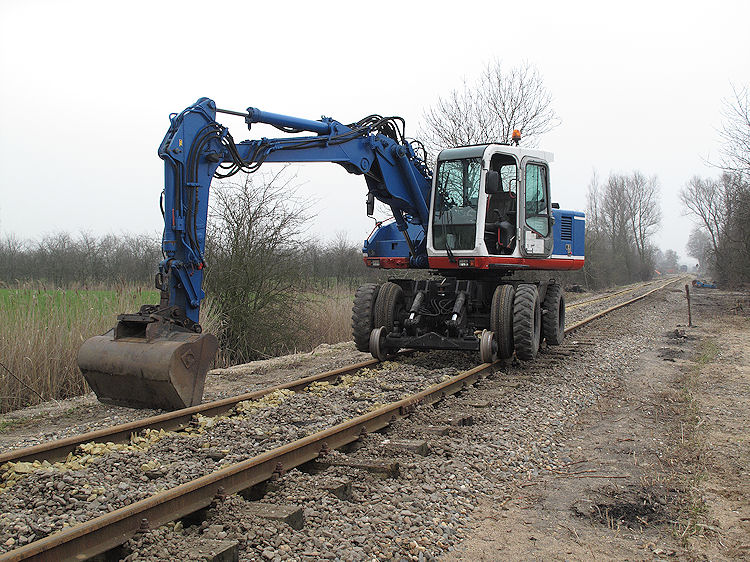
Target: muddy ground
{"points": [[659, 469]]}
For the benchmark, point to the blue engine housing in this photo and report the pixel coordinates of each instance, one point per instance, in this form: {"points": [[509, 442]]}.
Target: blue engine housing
{"points": [[568, 234]]}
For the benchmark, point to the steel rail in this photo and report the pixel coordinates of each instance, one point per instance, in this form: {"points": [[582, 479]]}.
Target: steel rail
{"points": [[113, 529], [170, 421], [585, 321], [58, 449], [609, 296]]}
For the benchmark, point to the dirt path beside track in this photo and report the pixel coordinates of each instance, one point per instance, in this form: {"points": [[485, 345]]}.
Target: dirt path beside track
{"points": [[659, 468]]}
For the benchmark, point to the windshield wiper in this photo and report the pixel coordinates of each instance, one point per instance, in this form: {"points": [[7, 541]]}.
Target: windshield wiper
{"points": [[451, 257]]}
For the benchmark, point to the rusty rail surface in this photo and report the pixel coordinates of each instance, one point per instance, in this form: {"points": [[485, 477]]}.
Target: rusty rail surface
{"points": [[58, 449], [113, 529], [608, 296], [617, 306]]}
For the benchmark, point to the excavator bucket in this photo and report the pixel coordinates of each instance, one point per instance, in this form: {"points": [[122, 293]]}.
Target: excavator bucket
{"points": [[145, 362]]}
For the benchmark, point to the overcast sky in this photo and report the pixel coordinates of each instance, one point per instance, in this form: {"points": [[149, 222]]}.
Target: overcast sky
{"points": [[87, 87]]}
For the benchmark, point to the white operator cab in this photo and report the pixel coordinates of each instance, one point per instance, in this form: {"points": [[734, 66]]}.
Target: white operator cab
{"points": [[505, 218]]}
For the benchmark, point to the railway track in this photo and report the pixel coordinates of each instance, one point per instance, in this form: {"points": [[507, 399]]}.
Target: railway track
{"points": [[107, 531], [608, 296]]}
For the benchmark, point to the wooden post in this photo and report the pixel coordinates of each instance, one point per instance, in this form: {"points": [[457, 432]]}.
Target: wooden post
{"points": [[687, 295]]}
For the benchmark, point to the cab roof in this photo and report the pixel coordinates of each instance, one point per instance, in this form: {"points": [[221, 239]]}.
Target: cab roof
{"points": [[478, 150]]}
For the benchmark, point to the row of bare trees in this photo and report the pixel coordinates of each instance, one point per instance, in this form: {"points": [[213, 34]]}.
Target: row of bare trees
{"points": [[721, 205], [64, 260], [265, 276], [721, 241], [622, 216]]}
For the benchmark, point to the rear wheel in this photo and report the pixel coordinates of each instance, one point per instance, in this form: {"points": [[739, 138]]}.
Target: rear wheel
{"points": [[553, 319], [501, 319], [527, 320], [363, 315]]}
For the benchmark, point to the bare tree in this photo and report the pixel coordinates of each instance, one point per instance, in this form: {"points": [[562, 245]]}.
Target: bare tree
{"points": [[735, 131], [12, 253], [607, 234], [614, 208], [621, 217], [722, 208], [699, 246], [704, 199], [593, 211], [488, 110], [669, 261], [645, 215]]}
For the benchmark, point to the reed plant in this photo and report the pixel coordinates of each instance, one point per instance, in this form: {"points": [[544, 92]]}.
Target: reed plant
{"points": [[41, 330], [326, 317]]}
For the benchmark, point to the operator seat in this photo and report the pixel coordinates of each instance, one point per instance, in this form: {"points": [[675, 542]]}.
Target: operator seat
{"points": [[499, 229]]}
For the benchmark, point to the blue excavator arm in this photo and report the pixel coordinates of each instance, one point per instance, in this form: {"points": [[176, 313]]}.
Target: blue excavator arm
{"points": [[158, 357], [197, 148]]}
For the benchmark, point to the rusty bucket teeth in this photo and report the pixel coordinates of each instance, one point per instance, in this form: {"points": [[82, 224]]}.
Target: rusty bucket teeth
{"points": [[166, 372]]}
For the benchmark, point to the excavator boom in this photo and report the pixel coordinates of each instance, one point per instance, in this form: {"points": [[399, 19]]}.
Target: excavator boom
{"points": [[158, 357]]}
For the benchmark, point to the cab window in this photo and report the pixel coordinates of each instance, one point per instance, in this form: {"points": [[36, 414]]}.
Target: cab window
{"points": [[454, 216], [537, 211]]}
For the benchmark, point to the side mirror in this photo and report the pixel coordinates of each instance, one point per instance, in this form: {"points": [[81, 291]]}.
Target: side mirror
{"points": [[555, 205], [492, 182]]}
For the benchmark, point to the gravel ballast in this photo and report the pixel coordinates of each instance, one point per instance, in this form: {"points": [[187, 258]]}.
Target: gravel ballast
{"points": [[519, 417]]}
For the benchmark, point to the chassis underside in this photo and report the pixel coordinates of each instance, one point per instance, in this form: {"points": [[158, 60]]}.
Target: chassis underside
{"points": [[492, 315]]}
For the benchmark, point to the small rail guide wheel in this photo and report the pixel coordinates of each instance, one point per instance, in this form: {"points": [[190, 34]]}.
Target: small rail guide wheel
{"points": [[487, 347], [378, 347]]}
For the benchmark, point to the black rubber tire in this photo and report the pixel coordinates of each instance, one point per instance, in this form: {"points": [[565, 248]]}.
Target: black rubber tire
{"points": [[527, 322], [553, 315], [501, 319], [388, 306], [363, 315]]}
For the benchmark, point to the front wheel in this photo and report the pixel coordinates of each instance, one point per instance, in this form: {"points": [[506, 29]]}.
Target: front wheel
{"points": [[487, 347], [363, 315], [378, 348]]}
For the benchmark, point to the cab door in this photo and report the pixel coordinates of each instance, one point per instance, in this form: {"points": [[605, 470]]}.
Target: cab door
{"points": [[535, 229]]}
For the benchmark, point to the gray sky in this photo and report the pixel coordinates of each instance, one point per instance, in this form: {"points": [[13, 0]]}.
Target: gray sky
{"points": [[87, 88]]}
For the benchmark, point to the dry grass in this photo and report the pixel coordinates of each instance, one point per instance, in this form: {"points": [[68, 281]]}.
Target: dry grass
{"points": [[327, 318], [42, 330]]}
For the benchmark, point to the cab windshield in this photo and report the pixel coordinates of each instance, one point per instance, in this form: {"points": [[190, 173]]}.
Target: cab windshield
{"points": [[454, 216]]}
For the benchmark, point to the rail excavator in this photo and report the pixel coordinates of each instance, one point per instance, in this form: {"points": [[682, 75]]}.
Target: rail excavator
{"points": [[476, 223]]}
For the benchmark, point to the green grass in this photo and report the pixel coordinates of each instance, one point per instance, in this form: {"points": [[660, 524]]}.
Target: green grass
{"points": [[6, 425], [708, 350], [74, 301]]}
